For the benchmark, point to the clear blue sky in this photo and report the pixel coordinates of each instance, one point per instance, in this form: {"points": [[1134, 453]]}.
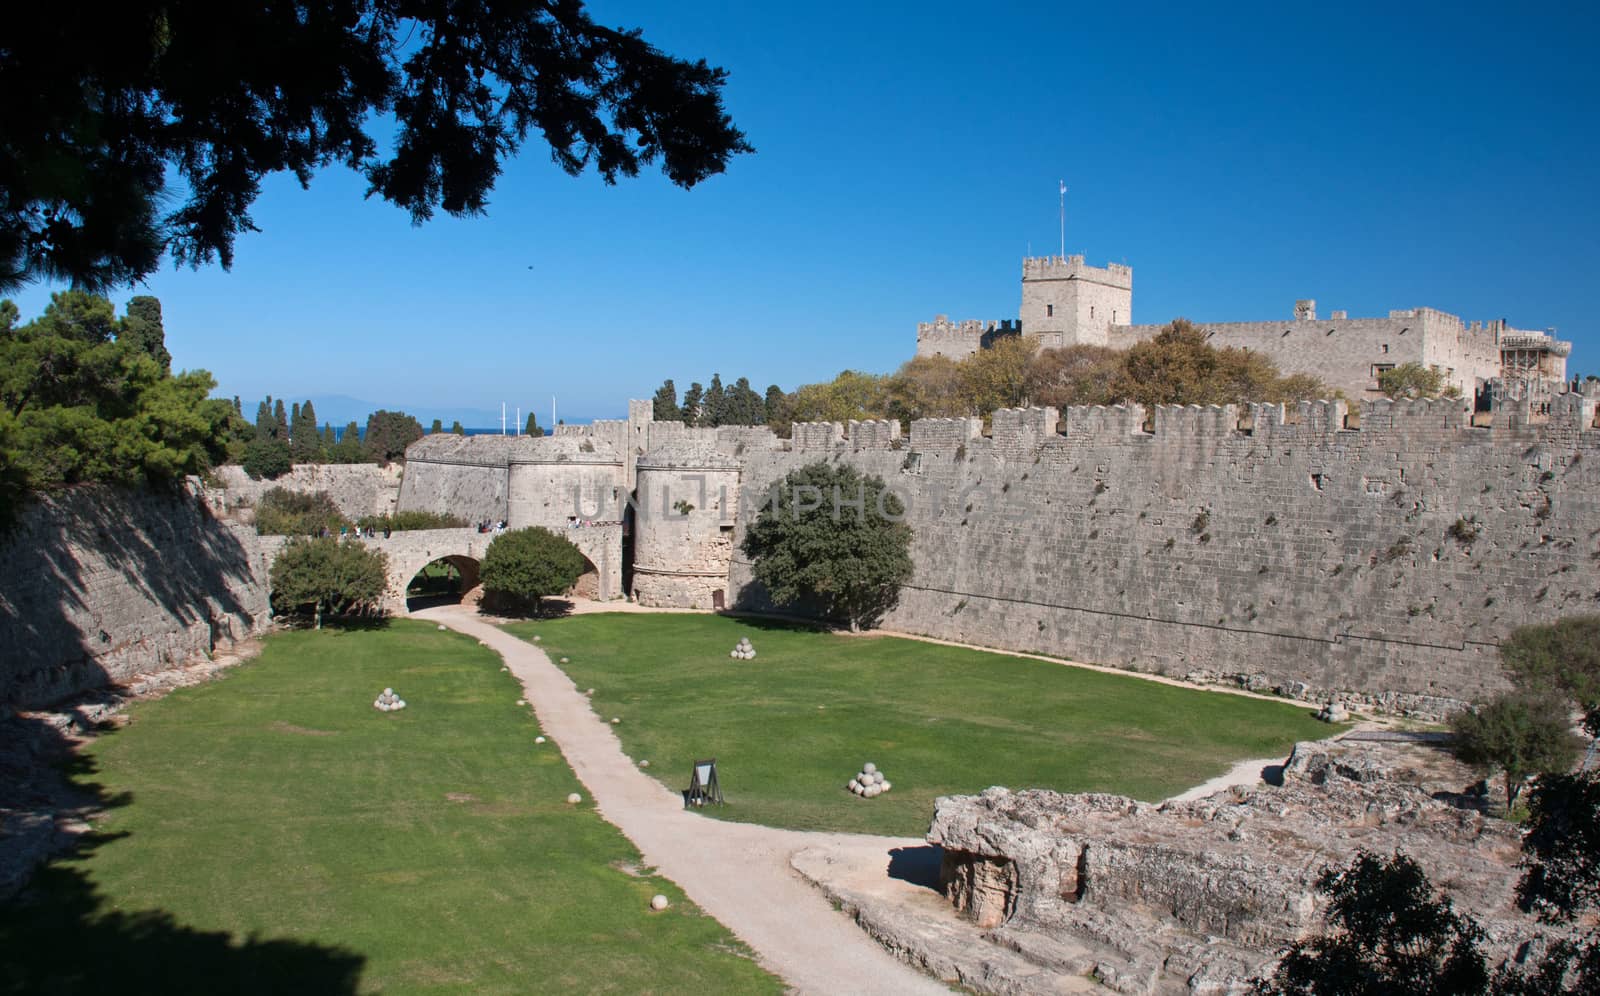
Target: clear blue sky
{"points": [[1371, 157]]}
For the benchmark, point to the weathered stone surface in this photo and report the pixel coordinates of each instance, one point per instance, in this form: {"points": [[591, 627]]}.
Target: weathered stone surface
{"points": [[1201, 896], [99, 585]]}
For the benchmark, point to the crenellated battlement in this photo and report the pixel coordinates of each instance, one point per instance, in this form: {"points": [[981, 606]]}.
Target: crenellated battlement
{"points": [[1074, 268], [816, 436], [944, 433], [873, 434]]}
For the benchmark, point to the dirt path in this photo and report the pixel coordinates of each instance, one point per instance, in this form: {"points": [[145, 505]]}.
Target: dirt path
{"points": [[737, 872]]}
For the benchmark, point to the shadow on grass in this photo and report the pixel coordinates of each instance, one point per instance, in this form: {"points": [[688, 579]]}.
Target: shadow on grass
{"points": [[65, 941], [60, 935], [790, 624], [522, 609], [917, 865]]}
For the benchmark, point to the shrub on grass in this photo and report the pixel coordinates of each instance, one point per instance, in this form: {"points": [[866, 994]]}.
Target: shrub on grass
{"points": [[525, 565], [327, 576]]}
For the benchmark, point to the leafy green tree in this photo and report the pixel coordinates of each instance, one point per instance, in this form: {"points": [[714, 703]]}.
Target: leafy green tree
{"points": [[1073, 375], [267, 459], [1561, 883], [282, 512], [349, 448], [664, 406], [329, 577], [1390, 933], [850, 395], [1178, 367], [1520, 733], [532, 428], [1413, 380], [693, 407], [78, 405], [122, 99], [142, 329], [329, 440], [997, 377], [457, 429], [389, 433], [436, 428], [263, 422], [831, 538], [530, 564], [1563, 656]]}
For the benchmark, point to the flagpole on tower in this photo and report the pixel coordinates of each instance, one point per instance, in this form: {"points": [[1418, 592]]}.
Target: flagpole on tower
{"points": [[1063, 219]]}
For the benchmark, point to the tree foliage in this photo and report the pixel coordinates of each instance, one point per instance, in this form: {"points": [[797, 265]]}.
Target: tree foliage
{"points": [[104, 105], [1413, 380], [664, 406], [389, 433], [530, 564], [1520, 733], [532, 428], [1390, 934], [1563, 656], [327, 576], [831, 538], [1177, 366], [281, 512], [267, 459], [83, 399]]}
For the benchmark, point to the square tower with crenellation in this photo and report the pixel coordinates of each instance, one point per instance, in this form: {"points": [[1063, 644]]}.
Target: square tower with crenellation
{"points": [[1066, 302]]}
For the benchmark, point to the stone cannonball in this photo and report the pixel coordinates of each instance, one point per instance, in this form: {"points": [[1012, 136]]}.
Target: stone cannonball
{"points": [[574, 798], [658, 902], [869, 767]]}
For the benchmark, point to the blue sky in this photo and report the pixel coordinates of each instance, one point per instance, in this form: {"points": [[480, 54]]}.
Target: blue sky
{"points": [[1238, 158]]}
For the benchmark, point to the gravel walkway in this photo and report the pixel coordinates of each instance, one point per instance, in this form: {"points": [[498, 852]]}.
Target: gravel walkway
{"points": [[737, 872]]}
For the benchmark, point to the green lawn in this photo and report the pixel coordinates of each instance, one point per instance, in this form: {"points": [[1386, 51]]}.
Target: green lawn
{"points": [[789, 728], [275, 833]]}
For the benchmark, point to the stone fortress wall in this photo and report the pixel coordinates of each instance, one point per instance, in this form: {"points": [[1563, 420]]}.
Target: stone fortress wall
{"points": [[1066, 301], [1276, 547], [98, 585]]}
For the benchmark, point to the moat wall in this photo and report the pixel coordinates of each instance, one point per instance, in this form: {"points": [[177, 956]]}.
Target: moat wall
{"points": [[1296, 555], [98, 585]]}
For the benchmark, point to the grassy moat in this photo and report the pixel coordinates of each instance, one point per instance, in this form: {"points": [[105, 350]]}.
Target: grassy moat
{"points": [[789, 728], [271, 832]]}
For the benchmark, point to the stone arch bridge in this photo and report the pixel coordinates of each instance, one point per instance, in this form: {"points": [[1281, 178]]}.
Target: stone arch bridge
{"points": [[410, 551]]}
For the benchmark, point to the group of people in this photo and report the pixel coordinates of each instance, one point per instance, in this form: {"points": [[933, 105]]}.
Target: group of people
{"points": [[492, 527], [354, 532]]}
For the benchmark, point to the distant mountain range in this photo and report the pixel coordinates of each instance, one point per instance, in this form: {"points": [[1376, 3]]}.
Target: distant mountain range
{"points": [[339, 409]]}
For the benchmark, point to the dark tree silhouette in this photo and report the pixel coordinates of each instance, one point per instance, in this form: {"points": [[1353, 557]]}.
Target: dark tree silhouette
{"points": [[104, 100]]}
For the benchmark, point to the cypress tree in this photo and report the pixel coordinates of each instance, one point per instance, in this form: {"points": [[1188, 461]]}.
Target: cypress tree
{"points": [[691, 404], [456, 429], [532, 428], [436, 428], [716, 403], [280, 422], [665, 404], [264, 419], [142, 329]]}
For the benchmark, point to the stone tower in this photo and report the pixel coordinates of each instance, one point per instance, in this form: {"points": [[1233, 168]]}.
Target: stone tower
{"points": [[1066, 302]]}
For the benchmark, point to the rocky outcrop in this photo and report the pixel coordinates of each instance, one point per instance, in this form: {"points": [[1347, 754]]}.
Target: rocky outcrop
{"points": [[1201, 896]]}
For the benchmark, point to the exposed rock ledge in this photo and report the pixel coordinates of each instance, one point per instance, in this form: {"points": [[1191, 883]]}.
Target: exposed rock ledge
{"points": [[1198, 896]]}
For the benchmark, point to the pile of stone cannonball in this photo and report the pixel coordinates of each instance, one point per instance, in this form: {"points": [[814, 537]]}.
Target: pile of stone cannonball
{"points": [[389, 702], [743, 651], [869, 782]]}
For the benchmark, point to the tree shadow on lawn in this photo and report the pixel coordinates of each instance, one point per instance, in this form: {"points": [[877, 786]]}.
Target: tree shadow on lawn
{"points": [[65, 941], [58, 934]]}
